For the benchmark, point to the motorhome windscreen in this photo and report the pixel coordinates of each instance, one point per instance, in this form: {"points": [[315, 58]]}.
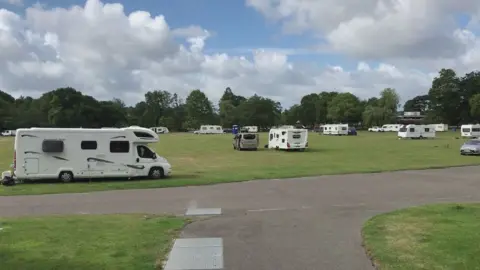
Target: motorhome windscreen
{"points": [[249, 136], [465, 130], [403, 129]]}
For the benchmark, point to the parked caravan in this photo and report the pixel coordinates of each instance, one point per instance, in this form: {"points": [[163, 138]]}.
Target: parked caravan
{"points": [[375, 129], [209, 129], [417, 132], [253, 129], [441, 127], [470, 131], [391, 127], [160, 130], [335, 129], [9, 133], [70, 153], [288, 139], [246, 141]]}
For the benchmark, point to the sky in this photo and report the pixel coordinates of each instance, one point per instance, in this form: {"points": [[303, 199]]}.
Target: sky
{"points": [[282, 49]]}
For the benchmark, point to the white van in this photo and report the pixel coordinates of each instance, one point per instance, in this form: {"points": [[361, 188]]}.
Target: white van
{"points": [[288, 139], [417, 132], [335, 129], [209, 129], [160, 130], [470, 131], [69, 153]]}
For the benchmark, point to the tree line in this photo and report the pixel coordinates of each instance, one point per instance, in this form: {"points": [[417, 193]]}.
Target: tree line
{"points": [[451, 100]]}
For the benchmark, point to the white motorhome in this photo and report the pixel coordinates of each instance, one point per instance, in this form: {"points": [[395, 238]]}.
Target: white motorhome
{"points": [[160, 130], [470, 131], [441, 127], [391, 127], [70, 153], [252, 129], [417, 132], [288, 139], [209, 129], [335, 129]]}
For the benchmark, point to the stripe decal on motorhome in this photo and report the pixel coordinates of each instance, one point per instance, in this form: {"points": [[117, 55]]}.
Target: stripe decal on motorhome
{"points": [[139, 167], [117, 137], [99, 160], [31, 152], [61, 158], [28, 135]]}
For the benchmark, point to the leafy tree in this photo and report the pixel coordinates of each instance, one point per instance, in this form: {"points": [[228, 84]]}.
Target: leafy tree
{"points": [[199, 109]]}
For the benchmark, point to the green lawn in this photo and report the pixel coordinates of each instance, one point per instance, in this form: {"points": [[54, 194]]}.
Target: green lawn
{"points": [[87, 242], [440, 237], [207, 159]]}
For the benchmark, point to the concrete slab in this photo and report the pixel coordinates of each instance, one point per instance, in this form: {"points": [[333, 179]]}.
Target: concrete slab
{"points": [[196, 254], [203, 211]]}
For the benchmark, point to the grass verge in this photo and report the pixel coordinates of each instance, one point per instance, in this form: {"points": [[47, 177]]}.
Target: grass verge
{"points": [[440, 237], [210, 159], [87, 241]]}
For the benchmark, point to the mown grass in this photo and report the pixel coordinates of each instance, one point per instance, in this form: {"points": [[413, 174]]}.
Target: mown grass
{"points": [[86, 242], [440, 237], [208, 159]]}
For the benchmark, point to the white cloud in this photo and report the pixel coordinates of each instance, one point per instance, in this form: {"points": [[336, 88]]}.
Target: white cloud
{"points": [[106, 53]]}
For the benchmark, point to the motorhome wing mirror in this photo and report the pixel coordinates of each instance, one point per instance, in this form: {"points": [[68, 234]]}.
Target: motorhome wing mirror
{"points": [[138, 160], [154, 156]]}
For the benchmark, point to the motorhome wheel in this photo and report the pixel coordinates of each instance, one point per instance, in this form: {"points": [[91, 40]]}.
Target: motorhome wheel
{"points": [[156, 173], [66, 177]]}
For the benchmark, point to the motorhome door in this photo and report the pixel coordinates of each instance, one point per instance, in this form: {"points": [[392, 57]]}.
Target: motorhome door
{"points": [[144, 156]]}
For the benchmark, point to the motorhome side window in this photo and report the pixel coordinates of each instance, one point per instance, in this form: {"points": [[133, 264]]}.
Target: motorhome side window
{"points": [[119, 147], [52, 146], [475, 129], [427, 130], [142, 134], [344, 128], [412, 129], [271, 137], [403, 129], [204, 128], [88, 145]]}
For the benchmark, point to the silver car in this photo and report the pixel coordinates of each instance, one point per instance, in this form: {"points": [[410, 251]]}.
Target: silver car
{"points": [[471, 147]]}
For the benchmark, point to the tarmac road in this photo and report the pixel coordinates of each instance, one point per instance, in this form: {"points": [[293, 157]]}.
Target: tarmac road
{"points": [[306, 223]]}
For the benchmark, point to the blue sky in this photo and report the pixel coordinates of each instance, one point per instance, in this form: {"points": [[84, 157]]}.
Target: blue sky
{"points": [[237, 27]]}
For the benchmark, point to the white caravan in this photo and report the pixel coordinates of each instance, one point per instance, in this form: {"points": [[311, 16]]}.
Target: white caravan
{"points": [[391, 127], [335, 129], [417, 132], [9, 133], [209, 129], [441, 127], [288, 139], [160, 130], [69, 153], [470, 131], [375, 129], [252, 129]]}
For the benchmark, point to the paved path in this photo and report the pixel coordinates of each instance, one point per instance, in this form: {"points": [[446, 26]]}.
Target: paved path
{"points": [[308, 223]]}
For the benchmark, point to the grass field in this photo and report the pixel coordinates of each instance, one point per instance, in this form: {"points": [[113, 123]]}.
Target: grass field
{"points": [[440, 237], [207, 159], [87, 242]]}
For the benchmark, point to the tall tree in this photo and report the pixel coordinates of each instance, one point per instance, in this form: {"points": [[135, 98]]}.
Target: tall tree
{"points": [[199, 109]]}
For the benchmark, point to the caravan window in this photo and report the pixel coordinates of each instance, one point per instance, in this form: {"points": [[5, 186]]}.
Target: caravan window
{"points": [[271, 137], [211, 127], [403, 129], [475, 129], [88, 145], [296, 136], [52, 146], [204, 128], [465, 130], [412, 130], [427, 129], [142, 134], [219, 128], [344, 128], [277, 136], [119, 147]]}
